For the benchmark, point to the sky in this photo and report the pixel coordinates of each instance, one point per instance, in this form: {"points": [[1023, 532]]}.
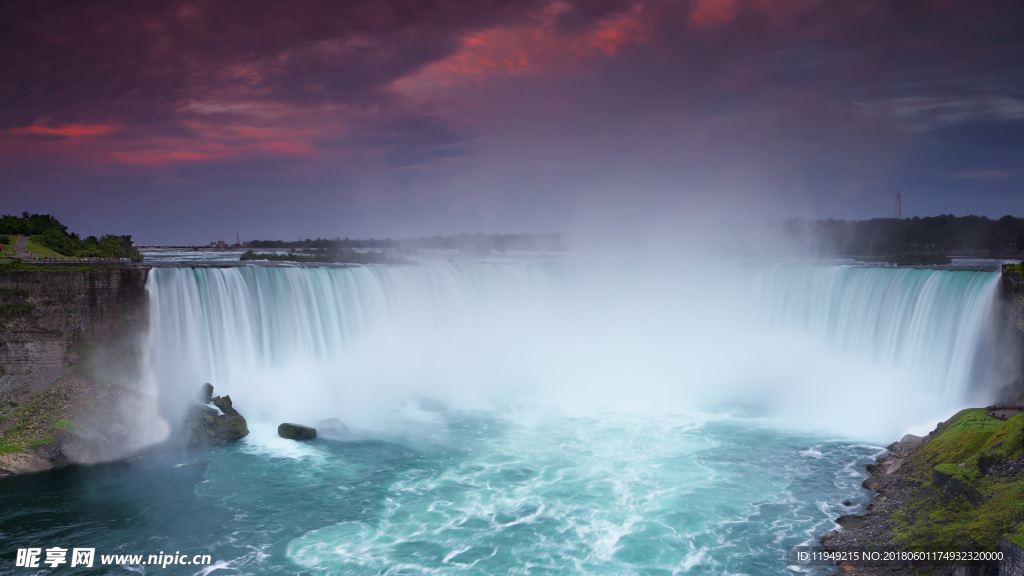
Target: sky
{"points": [[183, 122]]}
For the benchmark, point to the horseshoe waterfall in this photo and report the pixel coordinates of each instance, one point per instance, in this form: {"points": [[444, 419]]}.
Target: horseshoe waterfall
{"points": [[528, 417]]}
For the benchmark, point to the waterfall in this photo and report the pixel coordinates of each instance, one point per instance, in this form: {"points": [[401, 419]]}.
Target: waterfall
{"points": [[927, 320], [318, 342]]}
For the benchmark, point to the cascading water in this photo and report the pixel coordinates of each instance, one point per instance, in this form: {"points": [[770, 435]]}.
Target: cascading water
{"points": [[527, 330], [607, 420], [927, 320]]}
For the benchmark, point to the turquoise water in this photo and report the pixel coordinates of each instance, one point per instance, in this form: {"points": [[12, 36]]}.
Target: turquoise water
{"points": [[460, 493], [602, 421]]}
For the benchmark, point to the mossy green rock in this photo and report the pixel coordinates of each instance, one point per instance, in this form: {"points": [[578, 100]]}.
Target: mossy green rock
{"points": [[206, 426]]}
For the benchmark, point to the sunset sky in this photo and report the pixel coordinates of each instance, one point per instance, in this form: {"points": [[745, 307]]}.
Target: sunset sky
{"points": [[186, 122]]}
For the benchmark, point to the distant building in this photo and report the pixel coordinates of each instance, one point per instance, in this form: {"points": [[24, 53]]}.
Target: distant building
{"points": [[213, 244], [246, 244]]}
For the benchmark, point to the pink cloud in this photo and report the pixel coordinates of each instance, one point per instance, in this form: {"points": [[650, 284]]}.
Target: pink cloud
{"points": [[69, 130], [531, 49]]}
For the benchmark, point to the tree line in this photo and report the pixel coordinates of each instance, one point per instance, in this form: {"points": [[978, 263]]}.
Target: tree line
{"points": [[881, 236], [45, 230], [476, 243]]}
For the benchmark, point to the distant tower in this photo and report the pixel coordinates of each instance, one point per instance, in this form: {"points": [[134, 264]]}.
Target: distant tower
{"points": [[899, 205], [238, 239]]}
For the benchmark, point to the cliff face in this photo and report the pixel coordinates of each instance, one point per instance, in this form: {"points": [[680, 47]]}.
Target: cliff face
{"points": [[1013, 291], [70, 391], [45, 316]]}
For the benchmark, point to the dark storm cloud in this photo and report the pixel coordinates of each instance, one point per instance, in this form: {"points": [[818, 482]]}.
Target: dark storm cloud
{"points": [[139, 59], [399, 100]]}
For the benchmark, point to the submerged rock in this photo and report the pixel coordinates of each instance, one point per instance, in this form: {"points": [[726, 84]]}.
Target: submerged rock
{"points": [[296, 432], [207, 425], [332, 428]]}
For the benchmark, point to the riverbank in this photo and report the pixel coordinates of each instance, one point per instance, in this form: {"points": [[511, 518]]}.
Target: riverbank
{"points": [[959, 488]]}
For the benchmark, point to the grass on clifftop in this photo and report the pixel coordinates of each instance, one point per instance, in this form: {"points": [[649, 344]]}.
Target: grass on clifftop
{"points": [[966, 509], [37, 249], [1017, 269]]}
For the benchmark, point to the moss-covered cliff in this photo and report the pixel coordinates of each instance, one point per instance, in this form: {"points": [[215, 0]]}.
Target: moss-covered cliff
{"points": [[959, 488], [969, 481]]}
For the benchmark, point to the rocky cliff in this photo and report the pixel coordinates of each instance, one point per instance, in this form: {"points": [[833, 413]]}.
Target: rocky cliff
{"points": [[1013, 293], [46, 316], [70, 388]]}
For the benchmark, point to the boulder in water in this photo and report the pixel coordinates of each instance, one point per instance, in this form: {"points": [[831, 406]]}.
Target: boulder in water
{"points": [[209, 426], [332, 428], [852, 521], [296, 432]]}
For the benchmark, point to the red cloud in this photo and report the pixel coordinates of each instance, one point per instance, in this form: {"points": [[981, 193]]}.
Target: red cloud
{"points": [[209, 142], [70, 130], [535, 48]]}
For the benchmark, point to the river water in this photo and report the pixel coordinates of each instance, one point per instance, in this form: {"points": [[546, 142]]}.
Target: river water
{"points": [[520, 417]]}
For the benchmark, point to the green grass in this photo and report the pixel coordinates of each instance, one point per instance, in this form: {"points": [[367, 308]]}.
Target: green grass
{"points": [[952, 516], [65, 425], [962, 473], [34, 422], [7, 248], [1017, 269], [37, 249]]}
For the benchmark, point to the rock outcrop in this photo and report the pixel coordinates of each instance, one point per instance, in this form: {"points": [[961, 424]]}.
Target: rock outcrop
{"points": [[332, 428], [70, 418], [19, 463], [296, 432], [82, 445], [214, 423]]}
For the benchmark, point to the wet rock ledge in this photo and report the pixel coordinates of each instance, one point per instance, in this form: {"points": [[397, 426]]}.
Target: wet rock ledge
{"points": [[959, 488]]}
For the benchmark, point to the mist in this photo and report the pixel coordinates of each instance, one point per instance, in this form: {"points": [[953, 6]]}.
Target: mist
{"points": [[838, 350]]}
